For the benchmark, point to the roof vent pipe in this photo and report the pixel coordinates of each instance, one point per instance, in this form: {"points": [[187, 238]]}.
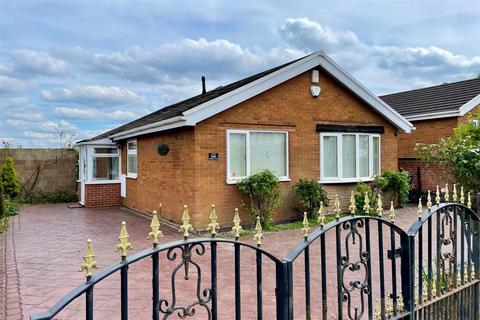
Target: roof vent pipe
{"points": [[204, 88]]}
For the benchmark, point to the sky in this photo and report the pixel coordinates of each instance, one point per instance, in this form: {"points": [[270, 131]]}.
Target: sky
{"points": [[73, 69]]}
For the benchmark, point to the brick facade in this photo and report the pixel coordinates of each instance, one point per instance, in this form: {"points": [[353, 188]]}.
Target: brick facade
{"points": [[186, 175], [427, 132], [102, 195]]}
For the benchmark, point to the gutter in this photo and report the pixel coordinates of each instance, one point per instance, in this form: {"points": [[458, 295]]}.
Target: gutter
{"points": [[175, 122]]}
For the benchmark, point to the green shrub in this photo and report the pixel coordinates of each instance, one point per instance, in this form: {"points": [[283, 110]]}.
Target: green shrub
{"points": [[264, 193], [11, 207], [2, 199], [11, 185], [362, 189], [396, 184], [41, 197], [309, 194]]}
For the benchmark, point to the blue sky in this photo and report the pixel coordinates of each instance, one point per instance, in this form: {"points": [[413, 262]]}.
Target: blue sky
{"points": [[83, 67]]}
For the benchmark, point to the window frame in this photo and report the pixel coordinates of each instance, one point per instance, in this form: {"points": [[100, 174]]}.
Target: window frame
{"points": [[132, 175], [95, 155], [339, 178], [234, 180]]}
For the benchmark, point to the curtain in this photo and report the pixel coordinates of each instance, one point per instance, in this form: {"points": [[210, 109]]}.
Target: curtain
{"points": [[349, 156], [132, 163], [330, 157], [268, 151], [376, 155], [364, 155], [237, 155]]}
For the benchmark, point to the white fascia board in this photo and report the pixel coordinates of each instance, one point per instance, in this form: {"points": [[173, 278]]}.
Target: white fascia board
{"points": [[230, 99], [341, 75], [166, 124], [434, 115], [470, 105], [160, 126], [99, 142]]}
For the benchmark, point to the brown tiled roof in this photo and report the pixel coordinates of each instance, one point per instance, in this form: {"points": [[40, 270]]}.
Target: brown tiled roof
{"points": [[444, 97], [179, 108]]}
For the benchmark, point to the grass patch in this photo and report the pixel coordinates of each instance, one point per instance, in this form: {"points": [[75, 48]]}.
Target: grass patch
{"points": [[3, 225]]}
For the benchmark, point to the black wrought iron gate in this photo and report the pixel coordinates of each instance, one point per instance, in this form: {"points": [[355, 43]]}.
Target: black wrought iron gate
{"points": [[356, 267]]}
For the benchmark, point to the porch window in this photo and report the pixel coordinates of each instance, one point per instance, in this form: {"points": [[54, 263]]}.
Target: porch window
{"points": [[105, 163], [251, 151], [349, 157], [132, 159]]}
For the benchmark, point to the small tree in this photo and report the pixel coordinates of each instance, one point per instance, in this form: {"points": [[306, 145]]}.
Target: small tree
{"points": [[2, 199], [309, 194], [10, 181], [264, 193], [396, 184]]}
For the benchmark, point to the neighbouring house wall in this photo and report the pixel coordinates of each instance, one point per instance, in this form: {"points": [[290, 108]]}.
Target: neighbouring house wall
{"points": [[46, 170], [167, 179], [102, 195], [287, 107], [427, 132]]}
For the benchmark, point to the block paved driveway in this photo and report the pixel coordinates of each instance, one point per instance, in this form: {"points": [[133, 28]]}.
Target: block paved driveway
{"points": [[41, 254]]}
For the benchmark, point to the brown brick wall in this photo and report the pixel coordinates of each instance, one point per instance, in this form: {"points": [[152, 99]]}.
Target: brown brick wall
{"points": [[102, 195], [430, 175], [289, 107], [167, 179]]}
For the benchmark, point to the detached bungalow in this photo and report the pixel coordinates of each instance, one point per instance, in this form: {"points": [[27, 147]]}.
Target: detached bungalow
{"points": [[305, 119], [434, 112]]}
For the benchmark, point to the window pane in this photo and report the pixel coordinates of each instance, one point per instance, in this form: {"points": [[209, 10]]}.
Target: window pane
{"points": [[349, 156], [268, 151], [132, 146], [376, 155], [330, 157], [106, 150], [105, 168], [237, 156], [132, 163], [364, 155]]}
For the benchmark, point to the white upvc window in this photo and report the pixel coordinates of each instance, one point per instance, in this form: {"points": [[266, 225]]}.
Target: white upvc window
{"points": [[105, 163], [349, 157], [249, 151], [132, 159]]}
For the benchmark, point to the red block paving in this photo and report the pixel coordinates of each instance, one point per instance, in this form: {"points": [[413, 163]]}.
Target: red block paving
{"points": [[41, 254]]}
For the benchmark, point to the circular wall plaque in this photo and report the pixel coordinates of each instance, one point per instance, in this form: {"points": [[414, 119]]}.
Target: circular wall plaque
{"points": [[162, 149]]}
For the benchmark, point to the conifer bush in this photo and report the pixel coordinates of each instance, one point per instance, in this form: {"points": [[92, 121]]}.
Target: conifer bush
{"points": [[11, 185]]}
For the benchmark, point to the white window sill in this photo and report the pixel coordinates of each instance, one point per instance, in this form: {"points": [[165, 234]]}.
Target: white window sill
{"points": [[102, 182], [131, 176], [234, 181], [336, 181]]}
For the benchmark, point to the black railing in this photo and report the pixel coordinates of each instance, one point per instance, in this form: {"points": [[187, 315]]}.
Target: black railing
{"points": [[374, 269]]}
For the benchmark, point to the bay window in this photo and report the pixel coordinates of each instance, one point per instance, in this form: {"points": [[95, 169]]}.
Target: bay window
{"points": [[251, 151], [132, 159], [105, 163], [349, 157]]}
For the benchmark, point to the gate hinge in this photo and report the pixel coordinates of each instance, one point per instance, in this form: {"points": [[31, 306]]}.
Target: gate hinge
{"points": [[396, 253]]}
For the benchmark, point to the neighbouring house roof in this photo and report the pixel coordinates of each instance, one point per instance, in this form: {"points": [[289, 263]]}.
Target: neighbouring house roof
{"points": [[191, 111], [441, 101]]}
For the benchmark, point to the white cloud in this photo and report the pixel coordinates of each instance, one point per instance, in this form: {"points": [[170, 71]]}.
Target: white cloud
{"points": [[38, 63], [406, 64], [95, 94], [93, 114], [10, 85]]}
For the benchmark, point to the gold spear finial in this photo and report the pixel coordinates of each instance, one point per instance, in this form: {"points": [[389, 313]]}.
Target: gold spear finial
{"points": [[437, 196], [379, 206], [213, 226], [237, 228], [462, 195], [469, 200], [429, 200], [258, 232], [392, 212], [186, 227], [337, 209], [420, 208], [447, 195], [305, 228], [321, 215], [353, 205], [366, 207], [155, 226], [455, 197], [89, 263], [124, 245]]}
